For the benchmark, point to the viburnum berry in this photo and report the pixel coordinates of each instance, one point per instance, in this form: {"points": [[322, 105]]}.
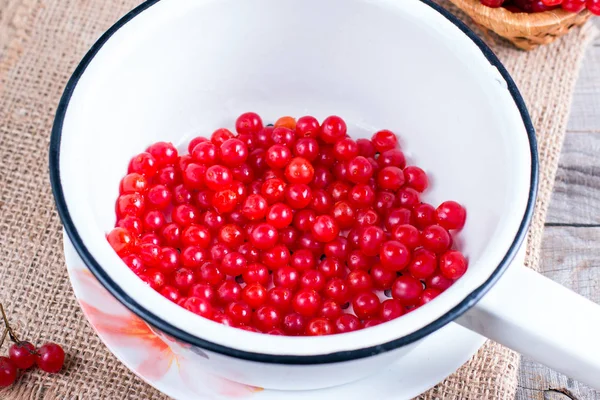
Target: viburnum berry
{"points": [[8, 372], [278, 228]]}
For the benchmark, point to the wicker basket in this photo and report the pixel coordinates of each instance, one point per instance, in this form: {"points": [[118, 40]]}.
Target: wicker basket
{"points": [[526, 31]]}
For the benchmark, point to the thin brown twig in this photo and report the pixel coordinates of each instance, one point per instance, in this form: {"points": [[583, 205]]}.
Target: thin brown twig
{"points": [[3, 337], [13, 335]]}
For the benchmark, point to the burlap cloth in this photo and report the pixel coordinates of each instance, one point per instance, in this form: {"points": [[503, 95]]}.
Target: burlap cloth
{"points": [[41, 42]]}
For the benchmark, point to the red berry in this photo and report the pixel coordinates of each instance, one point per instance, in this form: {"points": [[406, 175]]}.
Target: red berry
{"points": [[276, 257], [184, 279], [343, 214], [302, 260], [50, 358], [299, 170], [392, 158], [391, 309], [298, 195], [366, 305], [407, 290], [280, 298], [423, 264], [337, 248], [361, 196], [273, 190], [279, 215], [256, 273], [312, 279], [371, 240], [332, 130], [233, 264], [592, 5], [267, 318], [211, 274], [573, 5], [306, 302], [229, 291], [423, 215], [493, 3], [131, 204], [203, 291], [284, 136], [184, 215], [382, 278], [319, 327], [428, 295], [171, 293], [453, 264], [345, 149], [407, 197], [294, 324], [394, 255], [240, 313], [416, 178], [325, 229], [234, 152], [286, 277], [436, 239], [359, 281], [133, 183], [330, 310], [255, 295], [452, 215], [131, 224], [8, 372], [307, 127], [22, 355], [248, 124], [307, 148], [264, 236], [164, 153], [278, 156], [384, 140], [390, 178], [218, 177], [439, 282], [347, 323], [408, 235], [196, 235], [121, 241], [144, 164], [231, 235], [169, 260], [360, 170]]}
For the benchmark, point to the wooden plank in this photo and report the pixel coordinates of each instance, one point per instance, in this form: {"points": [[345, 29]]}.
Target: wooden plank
{"points": [[576, 196], [571, 256], [585, 111]]}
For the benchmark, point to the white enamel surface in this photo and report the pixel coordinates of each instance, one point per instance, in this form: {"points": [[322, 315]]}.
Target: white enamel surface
{"points": [[183, 68], [402, 378], [542, 320]]}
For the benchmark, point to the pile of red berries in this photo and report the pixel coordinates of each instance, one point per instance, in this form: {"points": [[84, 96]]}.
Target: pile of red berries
{"points": [[533, 6], [291, 229], [23, 355]]}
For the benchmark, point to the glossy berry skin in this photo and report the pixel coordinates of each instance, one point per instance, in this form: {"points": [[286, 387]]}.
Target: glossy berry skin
{"points": [[390, 178], [493, 3], [593, 6], [573, 5], [319, 327], [325, 229], [8, 372], [264, 236], [360, 170], [333, 129], [384, 140], [407, 290], [366, 305], [121, 241], [143, 164], [394, 255], [371, 240], [306, 302], [436, 239], [294, 324], [233, 153], [347, 323], [382, 277], [299, 170], [267, 318], [451, 215], [391, 309], [248, 124], [293, 229], [416, 178], [307, 127], [428, 295], [423, 264], [453, 264], [22, 355], [50, 358]]}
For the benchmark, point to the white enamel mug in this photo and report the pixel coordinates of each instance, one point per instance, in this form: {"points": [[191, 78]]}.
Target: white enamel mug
{"points": [[173, 69]]}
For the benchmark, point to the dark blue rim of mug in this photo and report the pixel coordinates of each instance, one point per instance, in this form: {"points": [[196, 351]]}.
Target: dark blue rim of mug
{"points": [[340, 356]]}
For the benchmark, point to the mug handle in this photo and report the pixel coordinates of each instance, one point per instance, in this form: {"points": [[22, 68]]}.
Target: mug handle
{"points": [[543, 320]]}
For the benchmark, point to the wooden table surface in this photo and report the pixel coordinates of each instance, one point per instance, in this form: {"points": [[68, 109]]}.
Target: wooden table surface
{"points": [[571, 246]]}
